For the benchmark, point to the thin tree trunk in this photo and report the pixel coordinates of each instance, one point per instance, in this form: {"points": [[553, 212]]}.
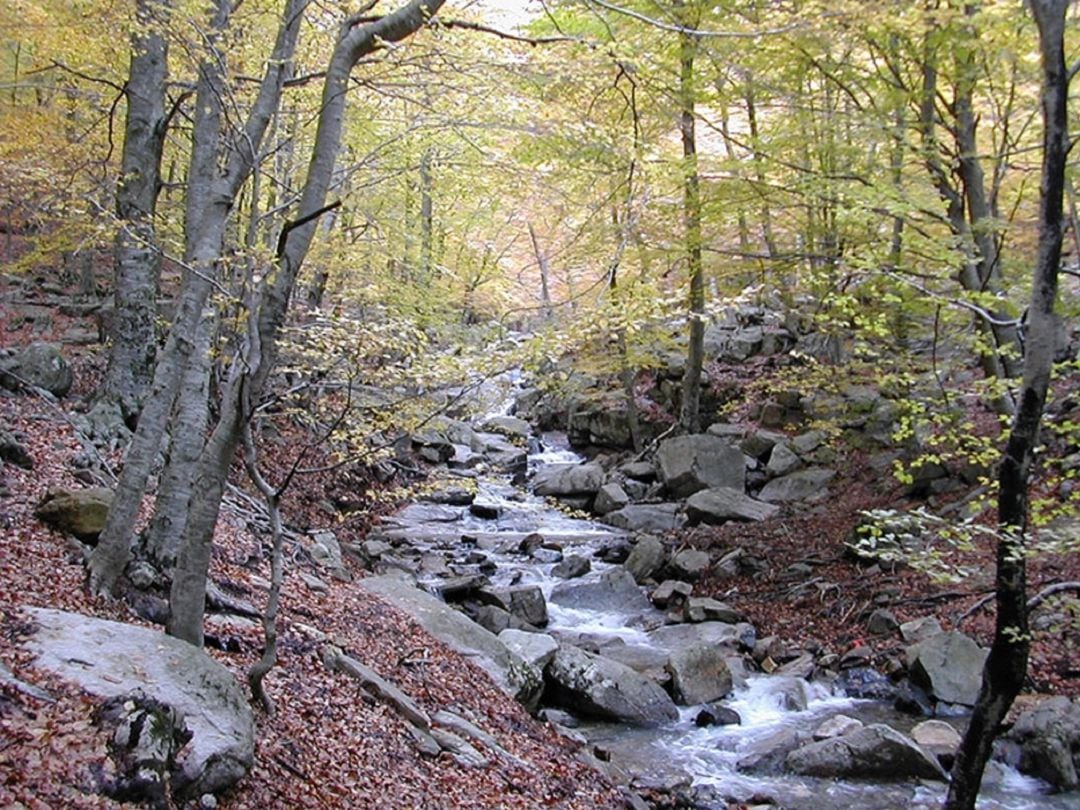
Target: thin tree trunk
{"points": [[545, 274], [1006, 666], [137, 259], [690, 416]]}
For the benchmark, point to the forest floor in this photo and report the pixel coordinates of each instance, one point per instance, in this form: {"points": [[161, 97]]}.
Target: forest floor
{"points": [[328, 744]]}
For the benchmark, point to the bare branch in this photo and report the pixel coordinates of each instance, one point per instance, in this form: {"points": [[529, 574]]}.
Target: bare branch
{"points": [[486, 29], [694, 32]]}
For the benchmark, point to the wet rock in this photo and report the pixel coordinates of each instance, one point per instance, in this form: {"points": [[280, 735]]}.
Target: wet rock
{"points": [[673, 637], [800, 667], [797, 486], [688, 464], [110, 659], [569, 479], [766, 754], [79, 512], [485, 510], [837, 726], [41, 365], [715, 506], [1049, 740], [699, 675], [640, 517], [614, 591], [948, 666], [867, 683], [524, 601], [716, 714], [509, 426], [939, 738], [457, 589], [572, 567], [605, 689], [646, 558], [688, 564], [669, 591], [871, 752], [609, 498]]}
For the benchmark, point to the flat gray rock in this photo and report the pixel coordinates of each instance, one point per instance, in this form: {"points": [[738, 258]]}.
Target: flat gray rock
{"points": [[722, 504], [509, 671], [646, 517], [110, 659], [798, 486], [603, 688]]}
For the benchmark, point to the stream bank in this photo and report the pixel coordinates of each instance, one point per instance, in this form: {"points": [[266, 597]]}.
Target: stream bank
{"points": [[597, 628]]}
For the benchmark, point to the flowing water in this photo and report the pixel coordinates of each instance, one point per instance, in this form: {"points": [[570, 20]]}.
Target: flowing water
{"points": [[679, 753]]}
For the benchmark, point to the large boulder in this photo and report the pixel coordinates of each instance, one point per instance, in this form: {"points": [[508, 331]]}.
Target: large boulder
{"points": [[872, 752], [646, 517], [646, 558], [599, 687], [80, 512], [610, 497], [699, 675], [699, 461], [39, 364], [948, 666], [111, 659], [536, 648], [721, 504], [614, 591], [569, 479], [674, 637], [509, 671], [524, 601], [797, 486], [1049, 740]]}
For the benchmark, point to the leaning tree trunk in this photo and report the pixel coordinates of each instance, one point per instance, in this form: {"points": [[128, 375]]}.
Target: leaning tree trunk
{"points": [[137, 259], [1006, 666], [218, 192], [187, 598]]}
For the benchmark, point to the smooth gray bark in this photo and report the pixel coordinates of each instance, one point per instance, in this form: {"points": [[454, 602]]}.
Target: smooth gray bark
{"points": [[358, 38], [137, 258], [212, 192]]}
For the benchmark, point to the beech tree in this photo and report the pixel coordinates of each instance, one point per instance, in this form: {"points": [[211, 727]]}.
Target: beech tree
{"points": [[137, 256], [1006, 665]]}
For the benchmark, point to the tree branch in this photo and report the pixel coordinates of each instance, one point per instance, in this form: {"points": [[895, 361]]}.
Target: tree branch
{"points": [[486, 29]]}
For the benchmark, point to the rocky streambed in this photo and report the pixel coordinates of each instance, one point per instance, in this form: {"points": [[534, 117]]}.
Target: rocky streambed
{"points": [[597, 628]]}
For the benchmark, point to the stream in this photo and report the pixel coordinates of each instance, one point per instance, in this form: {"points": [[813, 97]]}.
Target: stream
{"points": [[458, 540]]}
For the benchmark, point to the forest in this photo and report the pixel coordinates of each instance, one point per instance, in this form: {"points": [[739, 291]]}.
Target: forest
{"points": [[528, 403]]}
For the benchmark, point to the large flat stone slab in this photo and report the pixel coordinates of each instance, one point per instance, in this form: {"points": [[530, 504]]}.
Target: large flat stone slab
{"points": [[509, 670], [112, 659]]}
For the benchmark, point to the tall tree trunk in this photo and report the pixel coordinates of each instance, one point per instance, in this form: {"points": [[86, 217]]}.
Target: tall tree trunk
{"points": [[137, 259], [427, 217], [690, 415], [210, 199], [1006, 666], [187, 599], [985, 274], [187, 436]]}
